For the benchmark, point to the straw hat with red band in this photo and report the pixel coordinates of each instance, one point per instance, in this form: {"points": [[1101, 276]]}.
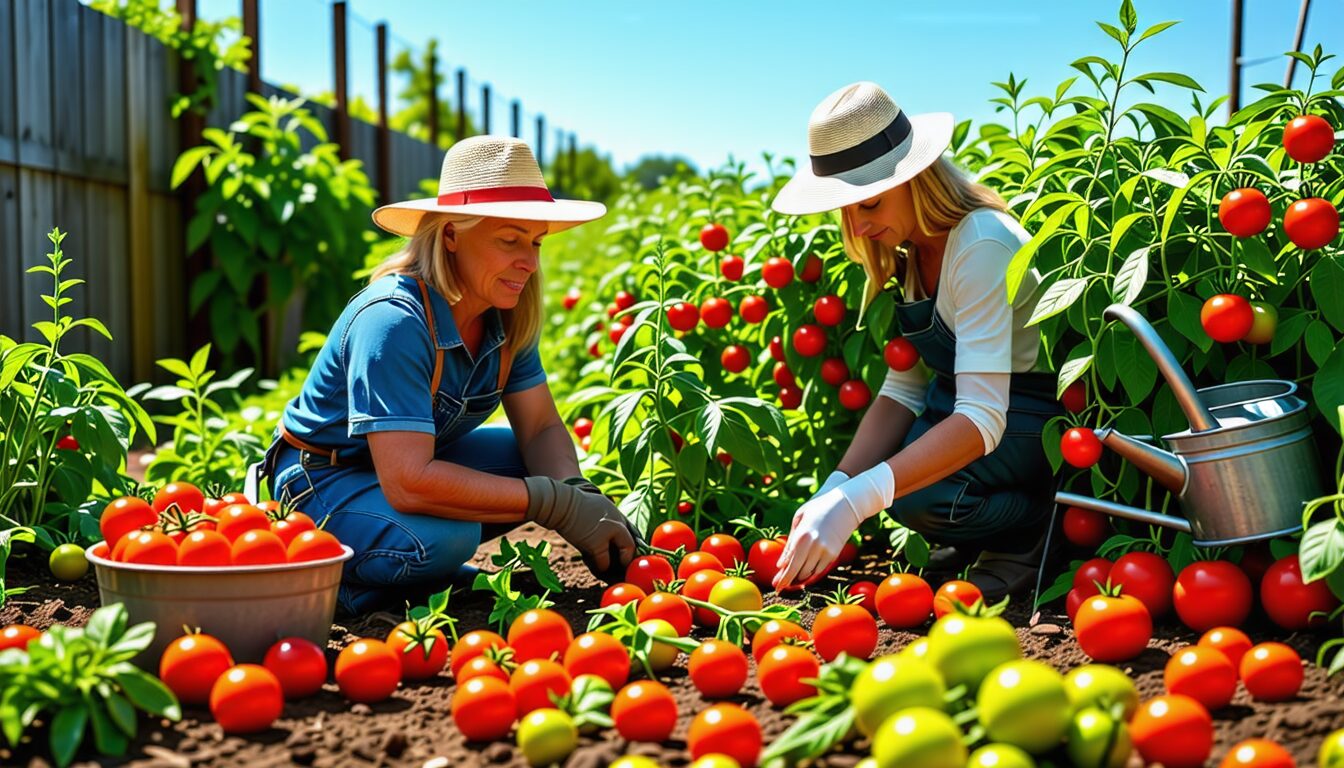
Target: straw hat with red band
{"points": [[860, 143], [492, 176]]}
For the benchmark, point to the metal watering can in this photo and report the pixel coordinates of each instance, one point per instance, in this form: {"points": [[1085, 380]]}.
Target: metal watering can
{"points": [[1244, 468]]}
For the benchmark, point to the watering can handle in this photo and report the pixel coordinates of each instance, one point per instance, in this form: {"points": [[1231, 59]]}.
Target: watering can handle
{"points": [[1200, 418]]}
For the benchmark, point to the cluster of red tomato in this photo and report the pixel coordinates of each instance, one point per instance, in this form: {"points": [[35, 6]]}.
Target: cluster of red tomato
{"points": [[183, 527]]}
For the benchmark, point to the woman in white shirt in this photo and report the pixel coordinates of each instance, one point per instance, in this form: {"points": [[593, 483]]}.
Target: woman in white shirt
{"points": [[953, 445]]}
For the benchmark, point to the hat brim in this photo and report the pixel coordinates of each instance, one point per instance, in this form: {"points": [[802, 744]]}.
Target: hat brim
{"points": [[807, 192], [404, 218]]}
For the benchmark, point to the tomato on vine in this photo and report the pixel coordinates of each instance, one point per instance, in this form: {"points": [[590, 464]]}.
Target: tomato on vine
{"points": [[812, 269], [1210, 593], [1074, 398], [829, 310], [809, 340], [669, 608], [833, 372], [714, 237], [900, 354], [682, 316], [777, 272], [726, 548], [646, 571], [753, 309], [1244, 212], [1264, 325], [855, 395], [731, 268], [1080, 447], [1085, 527], [698, 561], [624, 300], [1289, 601], [1226, 317], [1308, 138], [716, 312], [1146, 577], [1311, 223]]}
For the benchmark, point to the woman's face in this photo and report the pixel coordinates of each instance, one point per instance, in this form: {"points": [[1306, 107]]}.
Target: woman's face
{"points": [[496, 258], [888, 218]]}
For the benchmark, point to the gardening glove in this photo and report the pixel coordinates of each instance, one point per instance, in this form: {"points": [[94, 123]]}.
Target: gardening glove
{"points": [[823, 523], [616, 571], [833, 481], [587, 520]]}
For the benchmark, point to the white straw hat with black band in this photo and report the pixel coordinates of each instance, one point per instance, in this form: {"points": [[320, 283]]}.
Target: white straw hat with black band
{"points": [[494, 176], [860, 144]]}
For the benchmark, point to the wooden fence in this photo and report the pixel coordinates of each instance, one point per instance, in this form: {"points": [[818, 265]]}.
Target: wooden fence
{"points": [[87, 144]]}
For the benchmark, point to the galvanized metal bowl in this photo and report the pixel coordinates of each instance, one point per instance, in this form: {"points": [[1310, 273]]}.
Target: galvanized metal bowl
{"points": [[246, 607]]}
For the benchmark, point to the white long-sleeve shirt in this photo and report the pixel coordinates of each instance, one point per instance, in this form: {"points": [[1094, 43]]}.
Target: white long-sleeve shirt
{"points": [[993, 341]]}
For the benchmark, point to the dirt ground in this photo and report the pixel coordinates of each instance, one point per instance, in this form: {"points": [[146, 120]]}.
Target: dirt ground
{"points": [[414, 728]]}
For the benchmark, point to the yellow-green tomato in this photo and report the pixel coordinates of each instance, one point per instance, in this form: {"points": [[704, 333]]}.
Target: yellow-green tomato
{"points": [[68, 563], [1265, 320], [661, 656], [716, 760], [1097, 740], [1101, 685], [635, 761], [1024, 703], [1000, 756], [890, 684], [965, 648], [735, 594], [547, 736], [919, 737], [1331, 754], [918, 649], [867, 762]]}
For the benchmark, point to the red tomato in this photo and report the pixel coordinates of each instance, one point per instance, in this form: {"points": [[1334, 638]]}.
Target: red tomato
{"points": [[735, 358], [673, 534], [718, 669], [1229, 641], [790, 398], [773, 633], [698, 587], [67, 443], [763, 560], [1080, 447], [698, 561], [777, 272], [1244, 212], [204, 549], [617, 331], [782, 375], [962, 591], [716, 312], [191, 664], [620, 594], [313, 545], [1147, 577], [1074, 399], [1257, 753], [646, 570], [257, 548], [731, 268], [597, 653], [612, 311], [471, 645], [186, 496], [1308, 138], [714, 237], [539, 634], [781, 672], [683, 316], [624, 300], [237, 519], [367, 671], [777, 348], [1074, 600], [246, 699], [150, 548], [1271, 672], [421, 659], [583, 427], [571, 299], [644, 711], [1085, 527], [725, 729], [900, 354], [484, 709], [809, 340], [299, 664], [855, 395], [904, 600], [17, 636], [844, 629], [829, 310], [289, 527], [834, 371], [726, 548], [1210, 593], [753, 309], [1226, 317], [594, 350], [811, 269], [685, 508], [1289, 602], [124, 515], [868, 591], [1175, 731], [1203, 674], [534, 681], [481, 667], [1090, 574], [1255, 561], [1112, 629], [669, 608]]}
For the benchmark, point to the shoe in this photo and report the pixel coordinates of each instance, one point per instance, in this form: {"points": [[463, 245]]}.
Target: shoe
{"points": [[1001, 574], [950, 559]]}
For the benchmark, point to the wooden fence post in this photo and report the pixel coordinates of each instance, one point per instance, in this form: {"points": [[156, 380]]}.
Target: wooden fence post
{"points": [[461, 104], [516, 129], [251, 30], [485, 109], [433, 98], [342, 115], [189, 128], [384, 149]]}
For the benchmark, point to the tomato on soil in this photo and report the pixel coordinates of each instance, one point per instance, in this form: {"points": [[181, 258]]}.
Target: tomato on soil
{"points": [[1289, 602], [844, 628], [481, 667], [1258, 753], [299, 664], [191, 664], [18, 636], [1203, 674], [714, 237], [1080, 447], [1173, 730], [669, 608], [1210, 593], [781, 672], [474, 643], [867, 591], [673, 534], [124, 515], [246, 699], [67, 562], [725, 729], [621, 593], [1090, 574], [1085, 527], [698, 561], [716, 312], [718, 669], [484, 709], [962, 591], [1229, 641], [367, 671], [726, 548], [763, 560], [539, 634], [644, 711], [1147, 577], [1111, 629], [1226, 317], [698, 587], [598, 653], [417, 661], [735, 594], [644, 571], [1244, 212], [1271, 672], [774, 632], [904, 600], [777, 272], [186, 496], [533, 683]]}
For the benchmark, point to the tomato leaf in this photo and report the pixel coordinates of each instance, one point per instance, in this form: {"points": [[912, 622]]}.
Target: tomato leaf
{"points": [[1058, 297], [67, 733], [1328, 385], [1131, 278], [1322, 549]]}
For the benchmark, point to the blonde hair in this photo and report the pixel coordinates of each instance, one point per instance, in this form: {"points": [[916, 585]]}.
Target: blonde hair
{"points": [[942, 195], [425, 256]]}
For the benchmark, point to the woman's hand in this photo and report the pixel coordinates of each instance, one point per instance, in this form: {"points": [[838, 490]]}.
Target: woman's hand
{"points": [[821, 525], [587, 520]]}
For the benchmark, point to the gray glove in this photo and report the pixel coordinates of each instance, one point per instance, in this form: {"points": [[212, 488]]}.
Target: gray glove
{"points": [[587, 520]]}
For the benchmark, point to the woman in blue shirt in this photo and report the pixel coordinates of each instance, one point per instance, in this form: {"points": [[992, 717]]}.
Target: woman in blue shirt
{"points": [[384, 442]]}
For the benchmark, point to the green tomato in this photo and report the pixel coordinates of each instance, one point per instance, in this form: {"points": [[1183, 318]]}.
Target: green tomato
{"points": [[965, 648], [867, 762], [893, 683], [919, 737], [661, 656], [1000, 756], [918, 648], [716, 761], [1101, 685], [1025, 703], [1265, 320], [1097, 740], [735, 594], [1331, 754], [635, 761], [547, 736], [68, 563]]}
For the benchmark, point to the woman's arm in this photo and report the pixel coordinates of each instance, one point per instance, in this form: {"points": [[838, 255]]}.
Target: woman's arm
{"points": [[880, 434], [950, 445], [415, 482], [542, 437]]}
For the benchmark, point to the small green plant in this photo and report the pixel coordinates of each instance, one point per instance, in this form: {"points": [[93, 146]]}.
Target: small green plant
{"points": [[1321, 554], [81, 679], [7, 540], [511, 603]]}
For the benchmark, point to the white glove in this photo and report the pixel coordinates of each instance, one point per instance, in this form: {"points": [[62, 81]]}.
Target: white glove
{"points": [[835, 480], [822, 524]]}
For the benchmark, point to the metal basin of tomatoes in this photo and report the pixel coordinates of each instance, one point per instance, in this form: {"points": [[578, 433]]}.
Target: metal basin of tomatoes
{"points": [[246, 607]]}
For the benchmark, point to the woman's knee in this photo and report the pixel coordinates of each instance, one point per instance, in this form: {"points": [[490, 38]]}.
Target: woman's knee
{"points": [[393, 548]]}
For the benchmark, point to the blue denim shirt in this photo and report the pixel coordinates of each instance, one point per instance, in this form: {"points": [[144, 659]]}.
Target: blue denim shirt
{"points": [[374, 372]]}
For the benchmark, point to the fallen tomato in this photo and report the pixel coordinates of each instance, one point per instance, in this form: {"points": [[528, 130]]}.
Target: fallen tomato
{"points": [[1173, 730]]}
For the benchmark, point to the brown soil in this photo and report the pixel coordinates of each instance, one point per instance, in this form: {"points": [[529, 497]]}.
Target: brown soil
{"points": [[413, 728]]}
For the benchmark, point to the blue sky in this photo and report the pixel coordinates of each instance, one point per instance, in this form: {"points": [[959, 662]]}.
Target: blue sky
{"points": [[735, 77]]}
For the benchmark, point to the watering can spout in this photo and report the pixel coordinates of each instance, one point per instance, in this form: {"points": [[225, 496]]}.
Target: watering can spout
{"points": [[1123, 510], [1164, 467]]}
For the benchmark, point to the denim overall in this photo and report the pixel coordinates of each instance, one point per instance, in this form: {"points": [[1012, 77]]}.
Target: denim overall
{"points": [[400, 555], [999, 501]]}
